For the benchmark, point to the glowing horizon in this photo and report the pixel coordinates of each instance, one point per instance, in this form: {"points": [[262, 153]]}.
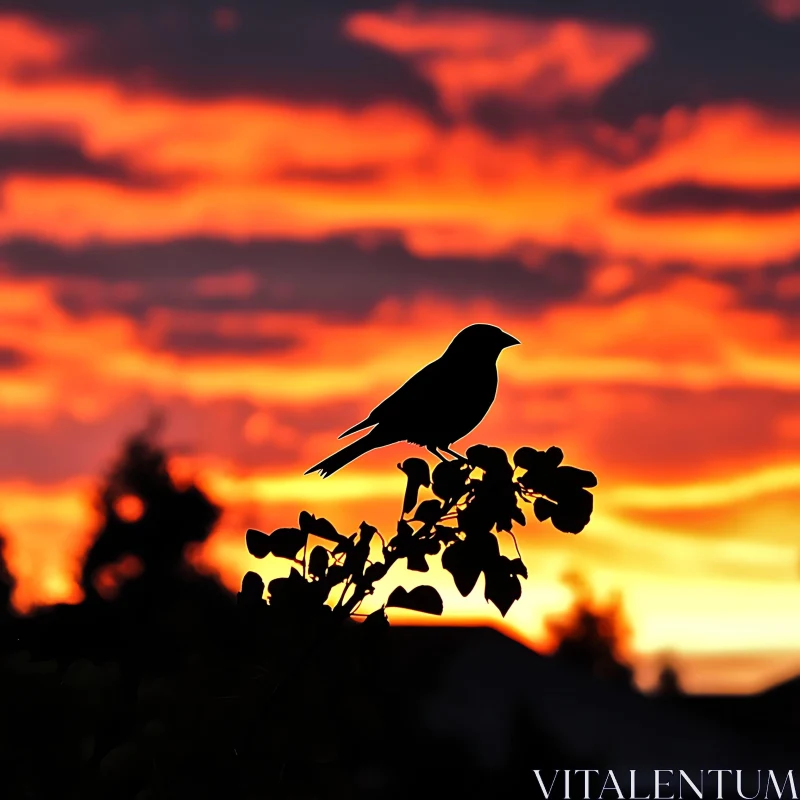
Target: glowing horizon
{"points": [[266, 265]]}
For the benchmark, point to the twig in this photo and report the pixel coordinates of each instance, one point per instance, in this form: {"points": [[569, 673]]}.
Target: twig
{"points": [[510, 533]]}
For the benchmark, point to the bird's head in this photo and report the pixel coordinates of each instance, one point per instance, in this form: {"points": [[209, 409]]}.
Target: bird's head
{"points": [[481, 340]]}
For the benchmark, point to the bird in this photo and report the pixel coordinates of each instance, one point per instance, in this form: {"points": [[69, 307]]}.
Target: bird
{"points": [[438, 405]]}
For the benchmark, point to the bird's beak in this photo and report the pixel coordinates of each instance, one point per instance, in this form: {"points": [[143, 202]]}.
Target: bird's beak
{"points": [[510, 341]]}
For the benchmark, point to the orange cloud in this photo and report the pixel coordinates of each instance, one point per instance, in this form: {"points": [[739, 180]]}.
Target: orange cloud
{"points": [[26, 43], [567, 384], [729, 145], [625, 385], [257, 167], [690, 334], [469, 56]]}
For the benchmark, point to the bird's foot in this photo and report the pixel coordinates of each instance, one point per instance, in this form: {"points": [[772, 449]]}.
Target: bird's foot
{"points": [[436, 452], [454, 454]]}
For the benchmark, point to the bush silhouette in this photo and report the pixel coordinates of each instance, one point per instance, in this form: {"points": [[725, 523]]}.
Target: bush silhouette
{"points": [[476, 500], [169, 686]]}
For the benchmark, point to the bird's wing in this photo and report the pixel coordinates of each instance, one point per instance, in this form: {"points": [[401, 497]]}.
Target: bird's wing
{"points": [[409, 400]]}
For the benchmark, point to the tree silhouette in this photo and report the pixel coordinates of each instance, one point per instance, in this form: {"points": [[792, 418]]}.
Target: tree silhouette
{"points": [[7, 584], [167, 519], [591, 634], [161, 684], [668, 683]]}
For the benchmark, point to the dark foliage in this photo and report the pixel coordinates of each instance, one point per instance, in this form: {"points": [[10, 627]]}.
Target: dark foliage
{"points": [[668, 683], [476, 500], [160, 684], [592, 634]]}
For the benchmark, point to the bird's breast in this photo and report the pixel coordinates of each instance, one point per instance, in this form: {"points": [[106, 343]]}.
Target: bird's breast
{"points": [[462, 406]]}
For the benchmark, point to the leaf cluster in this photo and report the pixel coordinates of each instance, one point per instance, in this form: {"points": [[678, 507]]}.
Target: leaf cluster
{"points": [[476, 500]]}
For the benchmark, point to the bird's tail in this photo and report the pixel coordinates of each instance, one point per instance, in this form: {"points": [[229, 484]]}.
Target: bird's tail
{"points": [[347, 454]]}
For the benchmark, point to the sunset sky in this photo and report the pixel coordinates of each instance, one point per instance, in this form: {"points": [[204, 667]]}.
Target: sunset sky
{"points": [[261, 218]]}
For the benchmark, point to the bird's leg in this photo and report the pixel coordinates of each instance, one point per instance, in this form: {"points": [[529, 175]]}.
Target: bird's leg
{"points": [[453, 453], [433, 450]]}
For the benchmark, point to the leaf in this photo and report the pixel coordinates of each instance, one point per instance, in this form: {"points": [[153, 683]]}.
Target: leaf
{"points": [[567, 522], [476, 455], [516, 567], [555, 455], [449, 479], [290, 593], [345, 545], [577, 477], [358, 555], [429, 512], [376, 622], [252, 593], [572, 514], [445, 534], [424, 598], [538, 479], [318, 562], [431, 547], [258, 543], [418, 469], [543, 508], [418, 474], [287, 542], [527, 458], [490, 459], [323, 529], [417, 562], [461, 561], [306, 522], [502, 589], [365, 534], [404, 530], [336, 574], [518, 515], [486, 548], [374, 572], [476, 518]]}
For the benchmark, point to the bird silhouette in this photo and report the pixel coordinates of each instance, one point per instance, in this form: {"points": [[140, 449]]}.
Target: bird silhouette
{"points": [[438, 405]]}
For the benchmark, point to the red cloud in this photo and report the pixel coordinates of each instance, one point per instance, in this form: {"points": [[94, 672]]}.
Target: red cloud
{"points": [[783, 10], [469, 56]]}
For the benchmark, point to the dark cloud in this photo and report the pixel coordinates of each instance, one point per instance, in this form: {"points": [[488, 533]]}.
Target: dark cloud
{"points": [[332, 175], [334, 276], [59, 447], [220, 428], [712, 51], [294, 50], [74, 446], [715, 50], [212, 342], [773, 287], [699, 429], [11, 358], [687, 197], [665, 432], [47, 156], [566, 123]]}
